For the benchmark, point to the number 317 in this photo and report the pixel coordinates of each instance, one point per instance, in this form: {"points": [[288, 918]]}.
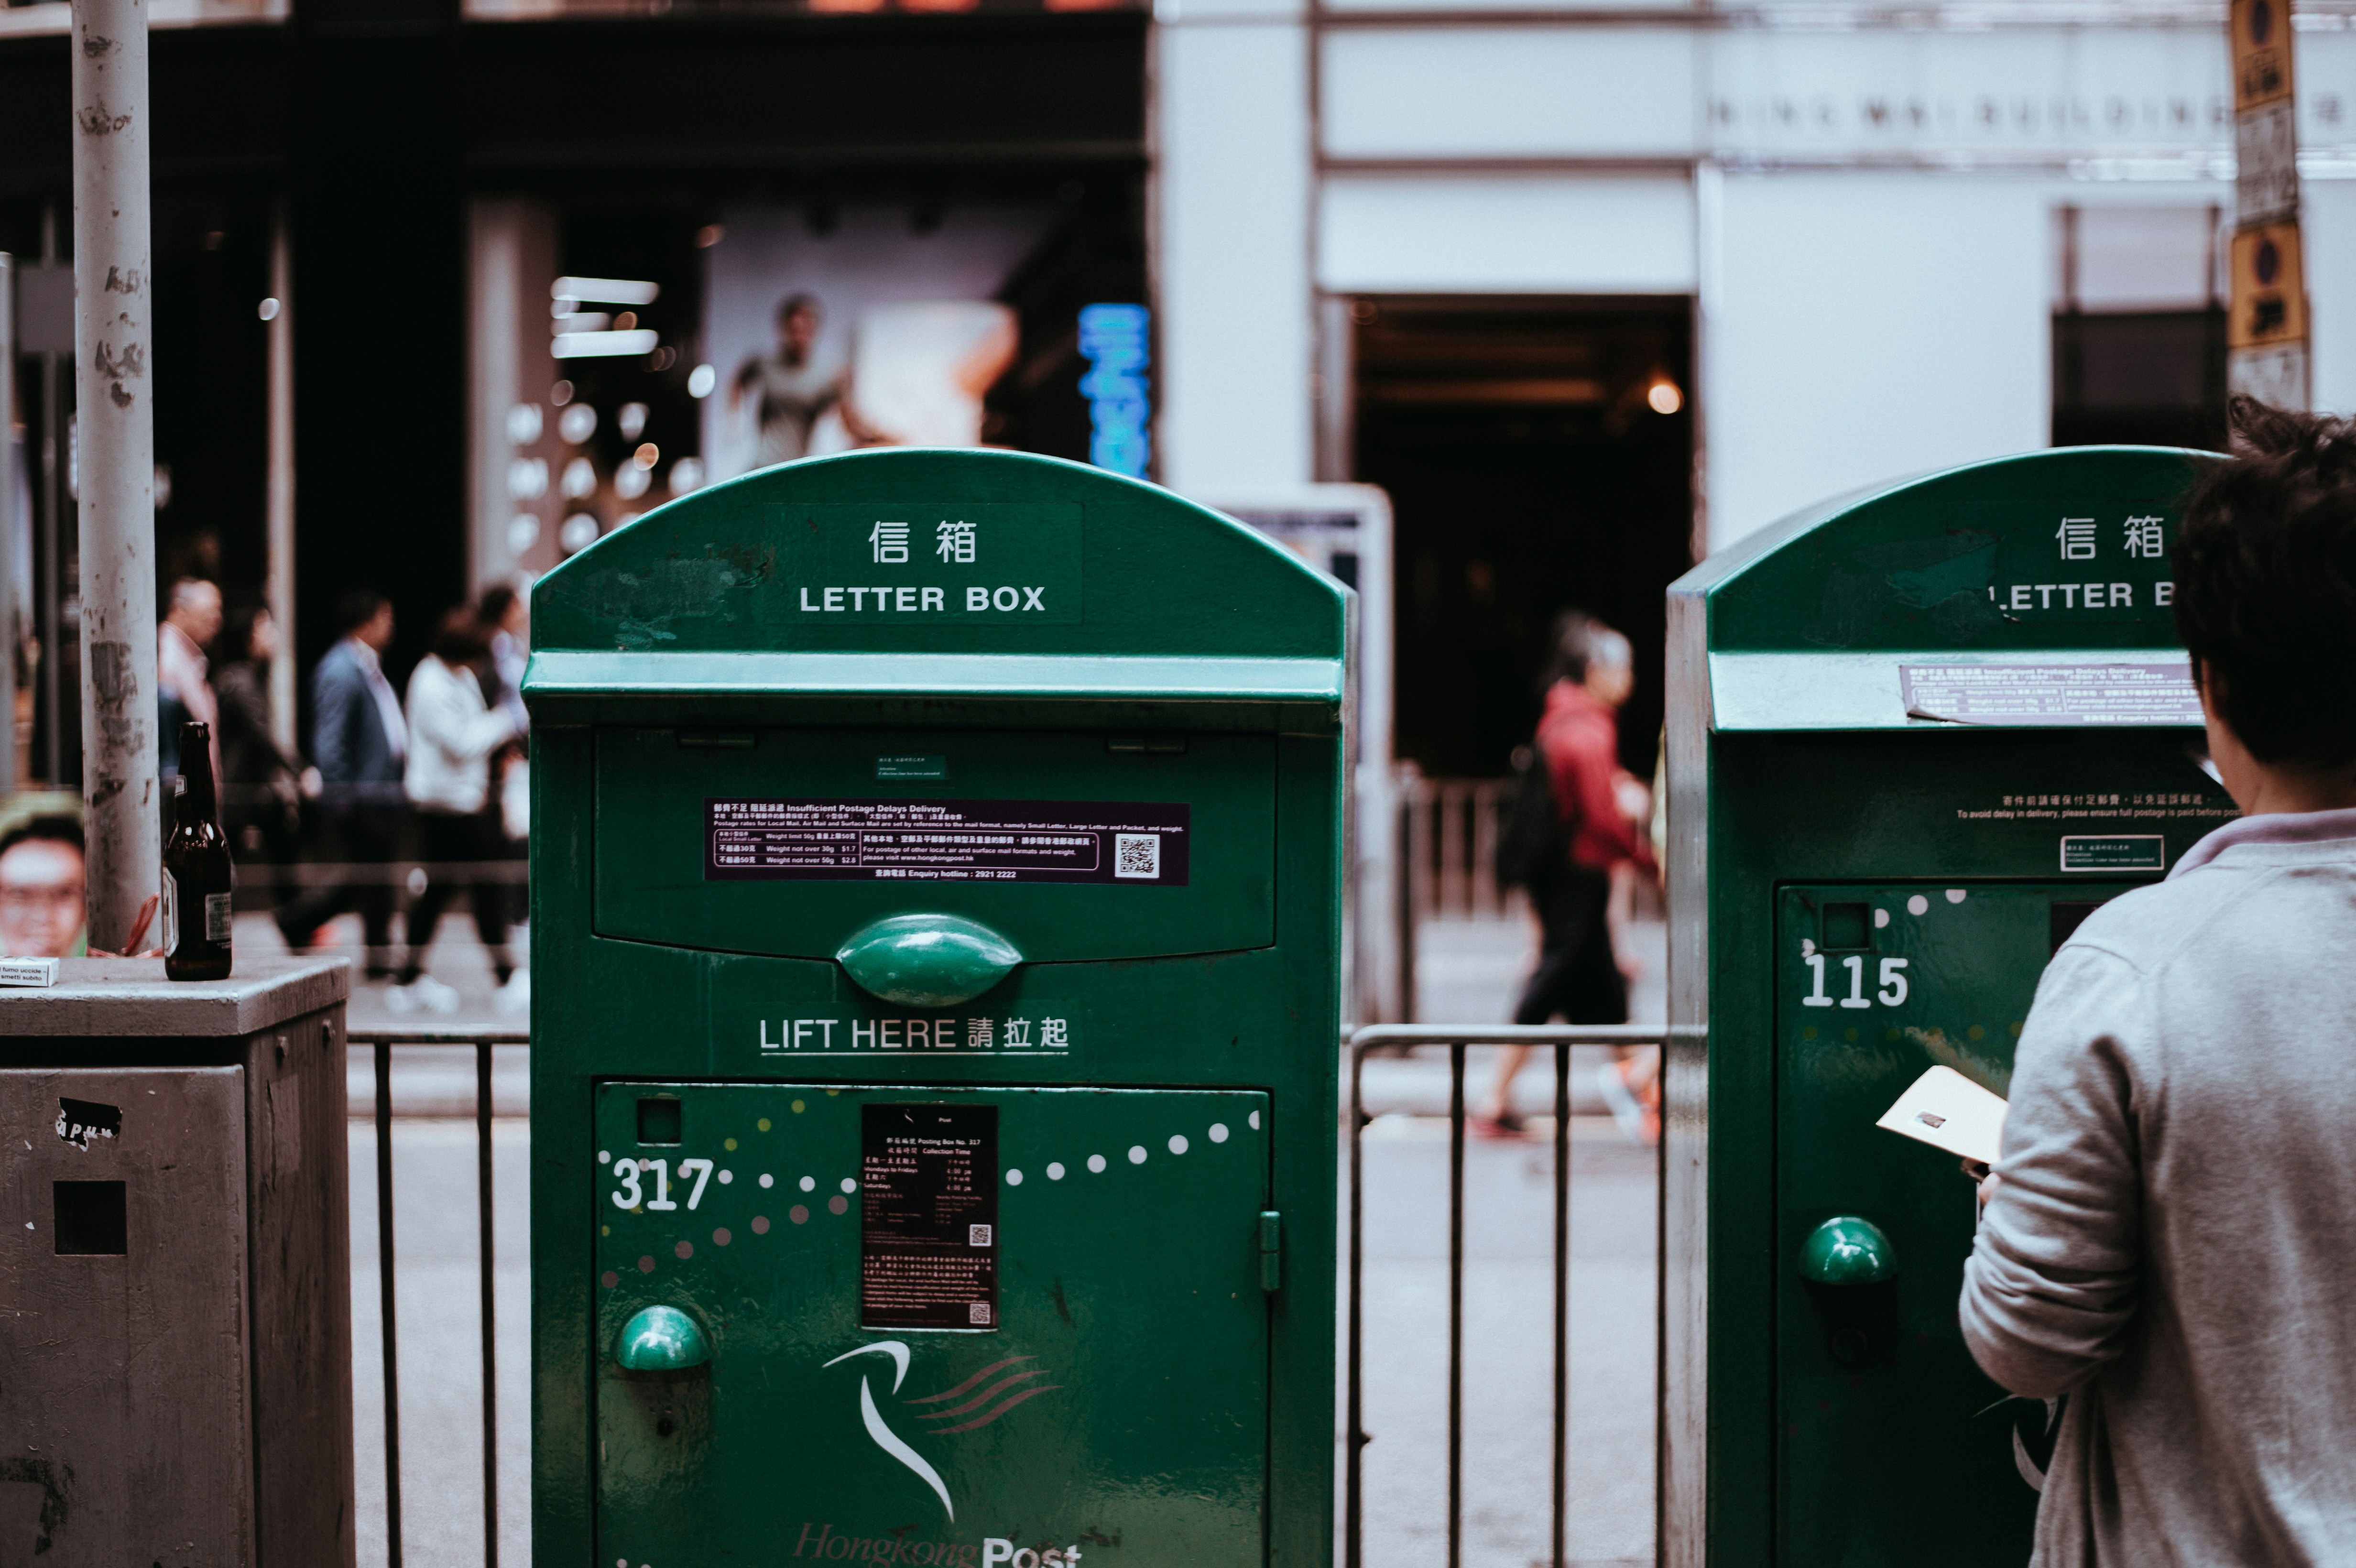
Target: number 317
{"points": [[631, 1194], [1893, 983]]}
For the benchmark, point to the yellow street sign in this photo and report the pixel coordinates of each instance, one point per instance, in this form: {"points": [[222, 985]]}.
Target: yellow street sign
{"points": [[2262, 53], [2269, 303]]}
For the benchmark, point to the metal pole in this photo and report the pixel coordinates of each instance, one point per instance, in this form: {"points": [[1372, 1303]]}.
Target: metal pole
{"points": [[385, 1290], [1561, 1294], [52, 569], [1455, 1305], [113, 333], [281, 485], [10, 521], [490, 1318], [1354, 1418]]}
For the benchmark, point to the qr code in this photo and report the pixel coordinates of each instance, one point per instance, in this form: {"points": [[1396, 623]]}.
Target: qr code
{"points": [[977, 1235], [1137, 855], [978, 1312]]}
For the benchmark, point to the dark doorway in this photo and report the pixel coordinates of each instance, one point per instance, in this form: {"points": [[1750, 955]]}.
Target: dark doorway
{"points": [[2153, 377], [1538, 454]]}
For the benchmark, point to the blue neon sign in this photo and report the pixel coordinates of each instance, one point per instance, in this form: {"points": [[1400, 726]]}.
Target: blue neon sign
{"points": [[1114, 340]]}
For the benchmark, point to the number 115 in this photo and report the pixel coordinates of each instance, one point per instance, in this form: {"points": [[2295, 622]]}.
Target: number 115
{"points": [[1893, 982]]}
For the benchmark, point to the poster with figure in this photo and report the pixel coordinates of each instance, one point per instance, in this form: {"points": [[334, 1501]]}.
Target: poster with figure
{"points": [[860, 329]]}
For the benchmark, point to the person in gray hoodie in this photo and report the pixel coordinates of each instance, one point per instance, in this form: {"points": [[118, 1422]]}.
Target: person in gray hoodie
{"points": [[2169, 1235]]}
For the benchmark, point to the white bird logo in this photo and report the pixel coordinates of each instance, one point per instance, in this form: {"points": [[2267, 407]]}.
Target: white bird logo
{"points": [[885, 1438]]}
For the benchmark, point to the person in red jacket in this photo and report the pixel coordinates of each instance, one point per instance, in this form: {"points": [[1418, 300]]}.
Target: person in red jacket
{"points": [[1579, 977]]}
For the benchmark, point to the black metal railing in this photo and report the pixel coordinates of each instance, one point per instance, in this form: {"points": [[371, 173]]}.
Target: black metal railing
{"points": [[1457, 1037], [381, 1042]]}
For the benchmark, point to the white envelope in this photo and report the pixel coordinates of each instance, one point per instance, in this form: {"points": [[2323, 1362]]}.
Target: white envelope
{"points": [[1946, 1110]]}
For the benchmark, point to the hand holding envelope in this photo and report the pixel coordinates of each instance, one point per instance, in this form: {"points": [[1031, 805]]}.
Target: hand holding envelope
{"points": [[1946, 1110]]}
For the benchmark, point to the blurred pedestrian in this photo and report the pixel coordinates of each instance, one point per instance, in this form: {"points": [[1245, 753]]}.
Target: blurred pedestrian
{"points": [[192, 619], [1581, 875], [361, 743], [506, 615], [262, 786], [505, 620], [452, 733], [42, 898], [2165, 1247]]}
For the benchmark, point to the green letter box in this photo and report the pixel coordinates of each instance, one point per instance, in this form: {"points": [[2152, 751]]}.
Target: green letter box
{"points": [[936, 875], [1914, 737]]}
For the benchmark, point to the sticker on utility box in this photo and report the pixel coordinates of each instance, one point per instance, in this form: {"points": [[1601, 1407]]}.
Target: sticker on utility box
{"points": [[2037, 696], [928, 1217], [2114, 852], [1136, 843]]}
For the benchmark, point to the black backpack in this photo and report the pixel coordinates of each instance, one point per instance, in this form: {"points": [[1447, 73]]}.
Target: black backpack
{"points": [[1535, 843]]}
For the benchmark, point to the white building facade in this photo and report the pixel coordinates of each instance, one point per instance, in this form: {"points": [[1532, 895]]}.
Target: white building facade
{"points": [[1876, 211]]}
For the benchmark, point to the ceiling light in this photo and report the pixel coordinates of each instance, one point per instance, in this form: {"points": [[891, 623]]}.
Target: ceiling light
{"points": [[586, 345], [605, 290], [1664, 397]]}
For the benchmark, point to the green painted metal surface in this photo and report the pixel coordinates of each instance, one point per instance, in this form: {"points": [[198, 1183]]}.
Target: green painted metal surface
{"points": [[928, 960], [1858, 894], [1069, 1422], [1139, 1107], [1228, 780]]}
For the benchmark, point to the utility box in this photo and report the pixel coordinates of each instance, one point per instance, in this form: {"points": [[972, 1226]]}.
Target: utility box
{"points": [[1914, 737], [175, 1348], [936, 871]]}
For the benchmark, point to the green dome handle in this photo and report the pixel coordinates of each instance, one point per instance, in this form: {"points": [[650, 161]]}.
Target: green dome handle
{"points": [[928, 960], [661, 1339], [1845, 1250]]}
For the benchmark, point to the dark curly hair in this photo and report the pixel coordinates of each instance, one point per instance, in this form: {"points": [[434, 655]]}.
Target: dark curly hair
{"points": [[2266, 585]]}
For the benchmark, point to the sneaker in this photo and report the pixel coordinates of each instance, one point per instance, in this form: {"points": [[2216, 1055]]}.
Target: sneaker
{"points": [[515, 996], [1629, 1115], [1505, 1128], [431, 995], [400, 999]]}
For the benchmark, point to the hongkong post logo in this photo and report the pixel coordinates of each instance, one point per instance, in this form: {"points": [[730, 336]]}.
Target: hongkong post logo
{"points": [[967, 1407]]}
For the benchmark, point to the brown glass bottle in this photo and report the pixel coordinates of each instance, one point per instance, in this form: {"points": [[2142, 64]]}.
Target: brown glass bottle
{"points": [[199, 875]]}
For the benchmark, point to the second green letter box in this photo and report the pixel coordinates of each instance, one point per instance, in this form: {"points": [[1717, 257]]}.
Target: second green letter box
{"points": [[936, 875], [1915, 736]]}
